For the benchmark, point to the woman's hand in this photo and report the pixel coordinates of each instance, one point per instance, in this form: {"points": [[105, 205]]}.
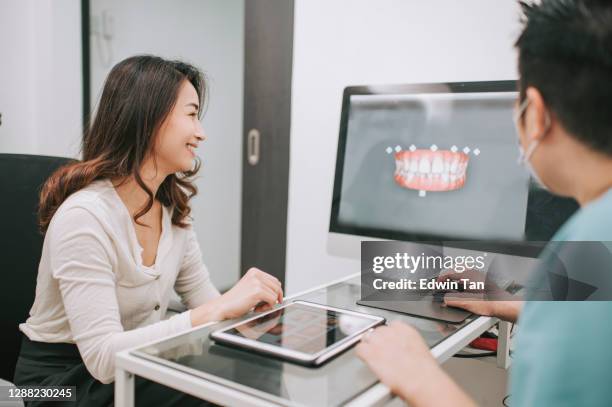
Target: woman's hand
{"points": [[257, 328], [401, 359], [254, 287]]}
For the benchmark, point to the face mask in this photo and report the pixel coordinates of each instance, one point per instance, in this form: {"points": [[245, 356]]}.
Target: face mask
{"points": [[525, 156]]}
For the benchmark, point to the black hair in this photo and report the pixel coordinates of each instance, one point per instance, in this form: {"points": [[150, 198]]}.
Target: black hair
{"points": [[138, 95], [565, 51]]}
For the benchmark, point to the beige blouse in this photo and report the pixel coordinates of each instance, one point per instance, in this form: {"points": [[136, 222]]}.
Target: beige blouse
{"points": [[92, 289]]}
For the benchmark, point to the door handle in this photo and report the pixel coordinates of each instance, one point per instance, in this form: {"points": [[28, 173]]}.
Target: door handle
{"points": [[253, 146]]}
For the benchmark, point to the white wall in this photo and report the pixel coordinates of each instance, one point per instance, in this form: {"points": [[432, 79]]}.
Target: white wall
{"points": [[209, 34], [40, 77], [353, 42]]}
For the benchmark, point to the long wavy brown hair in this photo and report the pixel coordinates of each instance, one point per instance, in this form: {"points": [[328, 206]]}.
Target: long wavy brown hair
{"points": [[138, 95]]}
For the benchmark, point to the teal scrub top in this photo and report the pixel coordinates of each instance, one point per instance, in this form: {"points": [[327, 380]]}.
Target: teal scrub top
{"points": [[563, 349]]}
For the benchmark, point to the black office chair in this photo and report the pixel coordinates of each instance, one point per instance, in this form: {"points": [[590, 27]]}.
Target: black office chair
{"points": [[21, 178]]}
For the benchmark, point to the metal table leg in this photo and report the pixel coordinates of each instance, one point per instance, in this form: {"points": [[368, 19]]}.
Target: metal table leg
{"points": [[503, 345], [124, 388]]}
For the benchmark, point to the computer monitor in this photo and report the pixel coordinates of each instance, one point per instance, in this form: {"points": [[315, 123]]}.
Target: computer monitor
{"points": [[437, 162]]}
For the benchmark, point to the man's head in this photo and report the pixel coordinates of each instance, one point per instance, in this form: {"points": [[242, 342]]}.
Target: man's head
{"points": [[565, 68]]}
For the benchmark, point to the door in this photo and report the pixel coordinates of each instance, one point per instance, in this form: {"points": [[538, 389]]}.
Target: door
{"points": [[267, 110]]}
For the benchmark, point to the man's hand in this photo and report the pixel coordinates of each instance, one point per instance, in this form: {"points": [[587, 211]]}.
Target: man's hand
{"points": [[401, 359], [399, 356], [475, 300]]}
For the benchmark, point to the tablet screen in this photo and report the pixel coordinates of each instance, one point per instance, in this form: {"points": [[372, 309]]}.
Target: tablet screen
{"points": [[301, 328]]}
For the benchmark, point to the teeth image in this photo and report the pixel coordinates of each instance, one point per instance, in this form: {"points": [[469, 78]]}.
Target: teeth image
{"points": [[414, 166], [398, 166], [424, 166], [406, 165], [438, 165]]}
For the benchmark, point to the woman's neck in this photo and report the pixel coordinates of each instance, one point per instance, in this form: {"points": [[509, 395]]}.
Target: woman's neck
{"points": [[132, 194]]}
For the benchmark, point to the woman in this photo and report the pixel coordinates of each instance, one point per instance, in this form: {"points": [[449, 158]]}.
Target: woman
{"points": [[118, 238]]}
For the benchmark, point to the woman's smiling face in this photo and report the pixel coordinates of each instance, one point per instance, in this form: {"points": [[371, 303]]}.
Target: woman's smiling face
{"points": [[180, 134]]}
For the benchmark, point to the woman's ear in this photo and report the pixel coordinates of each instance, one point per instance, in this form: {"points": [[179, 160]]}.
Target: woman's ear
{"points": [[537, 117]]}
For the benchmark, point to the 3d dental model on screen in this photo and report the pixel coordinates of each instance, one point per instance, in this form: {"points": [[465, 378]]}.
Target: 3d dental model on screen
{"points": [[431, 170]]}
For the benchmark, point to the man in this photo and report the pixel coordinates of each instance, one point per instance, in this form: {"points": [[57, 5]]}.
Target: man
{"points": [[564, 125]]}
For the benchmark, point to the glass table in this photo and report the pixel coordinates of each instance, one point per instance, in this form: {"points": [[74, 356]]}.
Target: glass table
{"points": [[192, 363]]}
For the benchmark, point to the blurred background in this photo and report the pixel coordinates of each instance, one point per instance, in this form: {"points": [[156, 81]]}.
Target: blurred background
{"points": [[276, 69]]}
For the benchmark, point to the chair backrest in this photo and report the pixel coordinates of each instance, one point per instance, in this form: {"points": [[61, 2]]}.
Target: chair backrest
{"points": [[21, 178]]}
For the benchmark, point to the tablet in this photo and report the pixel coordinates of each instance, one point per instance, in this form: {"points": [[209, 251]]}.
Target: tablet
{"points": [[302, 332]]}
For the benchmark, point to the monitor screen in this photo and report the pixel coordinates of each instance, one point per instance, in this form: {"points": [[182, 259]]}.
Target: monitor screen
{"points": [[437, 162]]}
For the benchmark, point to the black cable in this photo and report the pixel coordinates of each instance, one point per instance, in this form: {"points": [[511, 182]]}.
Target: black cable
{"points": [[488, 334], [474, 355], [505, 400]]}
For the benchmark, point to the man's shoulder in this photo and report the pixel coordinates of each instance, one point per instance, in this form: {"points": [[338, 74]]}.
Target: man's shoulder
{"points": [[591, 223]]}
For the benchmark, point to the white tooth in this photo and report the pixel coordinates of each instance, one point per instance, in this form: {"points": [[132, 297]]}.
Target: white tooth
{"points": [[453, 178], [437, 166], [446, 167], [424, 166], [414, 165], [398, 166], [445, 177], [407, 165], [453, 167], [409, 177]]}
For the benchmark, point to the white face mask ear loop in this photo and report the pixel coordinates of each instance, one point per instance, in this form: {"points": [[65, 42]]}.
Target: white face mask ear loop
{"points": [[519, 112], [535, 143], [516, 118], [531, 149]]}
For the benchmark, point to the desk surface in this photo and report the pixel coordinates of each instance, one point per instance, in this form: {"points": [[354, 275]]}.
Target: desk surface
{"points": [[340, 381]]}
